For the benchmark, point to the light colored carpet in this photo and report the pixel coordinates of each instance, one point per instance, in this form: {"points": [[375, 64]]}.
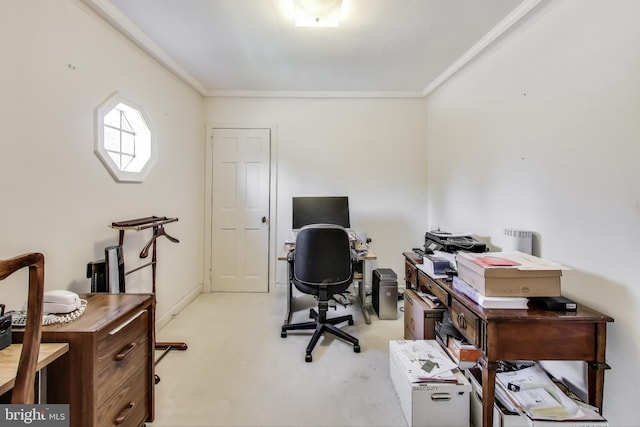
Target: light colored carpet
{"points": [[238, 371]]}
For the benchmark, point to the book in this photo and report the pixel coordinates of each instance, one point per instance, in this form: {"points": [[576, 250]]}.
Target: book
{"points": [[489, 302], [494, 261], [463, 351], [513, 264]]}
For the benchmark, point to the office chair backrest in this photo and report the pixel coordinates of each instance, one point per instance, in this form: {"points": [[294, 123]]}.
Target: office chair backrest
{"points": [[23, 390], [323, 256]]}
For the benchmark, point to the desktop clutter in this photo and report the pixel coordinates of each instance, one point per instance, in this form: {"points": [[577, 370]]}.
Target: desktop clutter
{"points": [[435, 370]]}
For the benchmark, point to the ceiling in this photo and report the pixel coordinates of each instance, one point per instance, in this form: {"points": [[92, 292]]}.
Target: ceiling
{"points": [[251, 47]]}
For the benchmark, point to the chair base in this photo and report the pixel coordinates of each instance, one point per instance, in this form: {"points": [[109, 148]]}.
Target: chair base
{"points": [[321, 326]]}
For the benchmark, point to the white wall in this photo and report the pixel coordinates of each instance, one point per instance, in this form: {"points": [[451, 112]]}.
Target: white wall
{"points": [[541, 134], [544, 134], [371, 150], [59, 61]]}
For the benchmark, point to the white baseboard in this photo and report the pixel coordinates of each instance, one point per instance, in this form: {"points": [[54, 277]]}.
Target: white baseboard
{"points": [[176, 309]]}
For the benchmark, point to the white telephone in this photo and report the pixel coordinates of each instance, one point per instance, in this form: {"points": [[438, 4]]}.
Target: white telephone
{"points": [[61, 301], [59, 306]]}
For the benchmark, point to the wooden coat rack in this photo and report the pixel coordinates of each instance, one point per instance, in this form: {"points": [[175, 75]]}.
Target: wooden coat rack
{"points": [[157, 224]]}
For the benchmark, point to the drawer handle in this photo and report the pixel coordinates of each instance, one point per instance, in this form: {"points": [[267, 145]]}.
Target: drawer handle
{"points": [[125, 413], [125, 352], [122, 326], [462, 322], [441, 397]]}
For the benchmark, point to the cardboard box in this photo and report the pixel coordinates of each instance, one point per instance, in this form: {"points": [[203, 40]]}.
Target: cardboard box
{"points": [[532, 277], [463, 352], [430, 404], [419, 317]]}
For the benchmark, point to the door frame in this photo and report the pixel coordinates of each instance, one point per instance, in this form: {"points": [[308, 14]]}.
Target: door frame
{"points": [[208, 198]]}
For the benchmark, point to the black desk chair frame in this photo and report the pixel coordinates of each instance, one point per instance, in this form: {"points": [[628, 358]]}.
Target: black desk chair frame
{"points": [[322, 265]]}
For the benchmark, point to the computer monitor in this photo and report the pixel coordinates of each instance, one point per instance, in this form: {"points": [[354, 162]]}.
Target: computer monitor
{"points": [[114, 269], [320, 210], [107, 275]]}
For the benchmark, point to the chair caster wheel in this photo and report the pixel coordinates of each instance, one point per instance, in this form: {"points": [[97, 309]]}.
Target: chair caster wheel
{"points": [[308, 358], [283, 334], [351, 322], [356, 348]]}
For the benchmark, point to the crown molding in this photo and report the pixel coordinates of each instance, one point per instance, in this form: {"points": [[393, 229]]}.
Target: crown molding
{"points": [[107, 11], [113, 16], [524, 10], [312, 94]]}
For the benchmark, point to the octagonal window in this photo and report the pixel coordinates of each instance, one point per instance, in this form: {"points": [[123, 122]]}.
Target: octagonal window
{"points": [[125, 140]]}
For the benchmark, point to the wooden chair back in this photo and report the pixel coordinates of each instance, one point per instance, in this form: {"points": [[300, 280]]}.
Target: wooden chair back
{"points": [[23, 390]]}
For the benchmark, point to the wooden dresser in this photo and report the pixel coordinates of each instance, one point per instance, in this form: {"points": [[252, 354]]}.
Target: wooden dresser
{"points": [[529, 334], [107, 377]]}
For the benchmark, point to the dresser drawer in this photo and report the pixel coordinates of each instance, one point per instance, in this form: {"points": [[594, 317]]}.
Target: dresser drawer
{"points": [[465, 321], [426, 284], [127, 406], [89, 378], [410, 275], [122, 351]]}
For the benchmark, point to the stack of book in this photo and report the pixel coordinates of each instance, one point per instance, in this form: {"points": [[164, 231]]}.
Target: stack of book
{"points": [[506, 279], [488, 302]]}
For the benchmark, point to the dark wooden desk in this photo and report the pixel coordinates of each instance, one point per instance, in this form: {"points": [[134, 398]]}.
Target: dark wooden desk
{"points": [[532, 334]]}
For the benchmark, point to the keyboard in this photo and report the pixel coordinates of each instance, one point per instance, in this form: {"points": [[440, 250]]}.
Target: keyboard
{"points": [[19, 319]]}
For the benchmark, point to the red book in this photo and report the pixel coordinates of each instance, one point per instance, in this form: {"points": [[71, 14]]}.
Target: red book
{"points": [[494, 261]]}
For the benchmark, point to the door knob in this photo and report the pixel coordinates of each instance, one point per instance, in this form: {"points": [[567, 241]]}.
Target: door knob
{"points": [[264, 219]]}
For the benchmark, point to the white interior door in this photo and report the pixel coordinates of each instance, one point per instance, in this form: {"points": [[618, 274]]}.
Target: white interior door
{"points": [[240, 210]]}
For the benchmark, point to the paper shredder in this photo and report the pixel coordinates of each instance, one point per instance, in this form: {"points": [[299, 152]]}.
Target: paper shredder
{"points": [[385, 293]]}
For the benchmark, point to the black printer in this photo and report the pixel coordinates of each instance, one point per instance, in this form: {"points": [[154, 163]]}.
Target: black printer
{"points": [[437, 240]]}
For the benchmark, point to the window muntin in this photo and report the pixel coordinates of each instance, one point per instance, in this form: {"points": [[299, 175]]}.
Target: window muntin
{"points": [[125, 140]]}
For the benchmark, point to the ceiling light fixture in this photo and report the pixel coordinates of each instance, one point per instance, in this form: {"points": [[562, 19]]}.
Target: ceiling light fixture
{"points": [[317, 13]]}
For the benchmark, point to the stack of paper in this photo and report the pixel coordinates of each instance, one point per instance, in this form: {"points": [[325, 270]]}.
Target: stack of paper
{"points": [[425, 361], [488, 302], [535, 394]]}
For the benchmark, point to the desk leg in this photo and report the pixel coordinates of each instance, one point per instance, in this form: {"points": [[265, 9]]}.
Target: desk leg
{"points": [[488, 391], [595, 370], [362, 295], [41, 386]]}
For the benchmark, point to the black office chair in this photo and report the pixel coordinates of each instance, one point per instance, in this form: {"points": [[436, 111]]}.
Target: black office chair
{"points": [[322, 265]]}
